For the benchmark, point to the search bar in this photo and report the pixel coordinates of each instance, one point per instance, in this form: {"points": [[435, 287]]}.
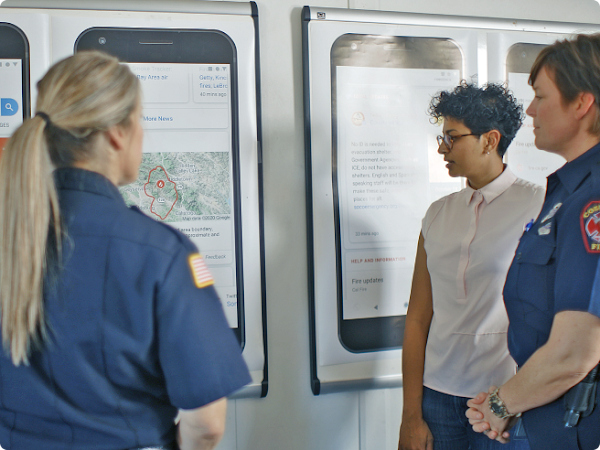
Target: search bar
{"points": [[185, 118]]}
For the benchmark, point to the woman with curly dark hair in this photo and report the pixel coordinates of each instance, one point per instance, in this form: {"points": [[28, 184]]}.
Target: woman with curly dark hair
{"points": [[455, 336]]}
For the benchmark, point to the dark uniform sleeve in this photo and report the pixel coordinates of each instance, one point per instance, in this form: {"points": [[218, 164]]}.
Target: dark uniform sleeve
{"points": [[576, 289], [577, 255], [595, 297], [199, 354]]}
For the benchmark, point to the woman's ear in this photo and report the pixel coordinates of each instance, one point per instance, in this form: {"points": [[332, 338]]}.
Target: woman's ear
{"points": [[491, 140], [116, 137], [583, 103]]}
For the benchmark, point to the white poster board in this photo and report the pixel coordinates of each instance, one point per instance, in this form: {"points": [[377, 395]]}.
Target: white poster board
{"points": [[53, 34], [35, 28], [510, 55], [387, 170], [372, 169]]}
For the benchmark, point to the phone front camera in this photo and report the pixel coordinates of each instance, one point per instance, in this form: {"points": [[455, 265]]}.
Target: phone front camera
{"points": [[102, 41]]}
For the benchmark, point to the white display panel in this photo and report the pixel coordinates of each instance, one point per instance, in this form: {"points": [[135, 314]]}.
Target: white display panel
{"points": [[510, 56], [484, 44], [30, 66], [11, 98], [524, 158], [186, 175], [388, 172], [52, 34], [69, 25], [334, 367]]}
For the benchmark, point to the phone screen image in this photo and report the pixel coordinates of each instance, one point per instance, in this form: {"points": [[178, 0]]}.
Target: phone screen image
{"points": [[188, 177], [523, 157], [14, 80], [386, 173]]}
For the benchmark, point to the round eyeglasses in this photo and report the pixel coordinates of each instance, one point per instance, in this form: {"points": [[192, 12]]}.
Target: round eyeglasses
{"points": [[449, 140]]}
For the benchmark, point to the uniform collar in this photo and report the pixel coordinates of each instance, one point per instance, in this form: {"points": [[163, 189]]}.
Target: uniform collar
{"points": [[494, 189], [574, 172], [70, 178]]}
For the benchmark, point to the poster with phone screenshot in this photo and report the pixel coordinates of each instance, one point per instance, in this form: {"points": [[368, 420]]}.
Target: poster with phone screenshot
{"points": [[524, 158], [185, 178], [11, 98], [388, 172]]}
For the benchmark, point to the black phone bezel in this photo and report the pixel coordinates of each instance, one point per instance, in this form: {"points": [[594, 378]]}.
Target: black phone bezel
{"points": [[187, 46], [15, 45], [375, 333], [521, 56]]}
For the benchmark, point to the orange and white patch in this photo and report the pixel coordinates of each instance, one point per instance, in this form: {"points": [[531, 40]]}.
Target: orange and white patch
{"points": [[200, 273]]}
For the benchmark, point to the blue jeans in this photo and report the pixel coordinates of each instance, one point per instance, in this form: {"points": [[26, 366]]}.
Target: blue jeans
{"points": [[445, 416]]}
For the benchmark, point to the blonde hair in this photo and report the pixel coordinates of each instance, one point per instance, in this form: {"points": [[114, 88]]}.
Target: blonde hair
{"points": [[79, 97]]}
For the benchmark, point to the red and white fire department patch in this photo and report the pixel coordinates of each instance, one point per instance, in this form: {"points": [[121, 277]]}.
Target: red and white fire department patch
{"points": [[200, 272], [590, 226]]}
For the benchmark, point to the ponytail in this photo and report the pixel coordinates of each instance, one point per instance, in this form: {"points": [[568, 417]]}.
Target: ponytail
{"points": [[28, 213], [79, 98]]}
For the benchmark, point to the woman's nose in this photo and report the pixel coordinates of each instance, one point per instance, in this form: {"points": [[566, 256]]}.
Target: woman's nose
{"points": [[530, 111]]}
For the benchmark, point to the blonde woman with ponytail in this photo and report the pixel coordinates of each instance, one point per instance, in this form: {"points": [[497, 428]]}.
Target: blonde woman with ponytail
{"points": [[106, 335]]}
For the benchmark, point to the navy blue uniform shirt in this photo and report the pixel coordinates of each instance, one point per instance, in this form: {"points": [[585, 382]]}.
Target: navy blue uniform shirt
{"points": [[554, 270], [132, 338]]}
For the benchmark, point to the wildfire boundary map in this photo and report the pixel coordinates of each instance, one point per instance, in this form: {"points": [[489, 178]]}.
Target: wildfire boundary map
{"points": [[177, 187]]}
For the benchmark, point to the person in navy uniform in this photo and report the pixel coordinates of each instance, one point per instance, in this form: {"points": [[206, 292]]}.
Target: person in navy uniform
{"points": [[111, 326], [554, 319]]}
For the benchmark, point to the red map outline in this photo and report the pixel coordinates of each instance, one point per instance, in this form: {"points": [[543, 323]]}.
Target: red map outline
{"points": [[154, 198]]}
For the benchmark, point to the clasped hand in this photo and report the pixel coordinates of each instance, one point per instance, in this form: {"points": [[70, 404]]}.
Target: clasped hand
{"points": [[485, 421]]}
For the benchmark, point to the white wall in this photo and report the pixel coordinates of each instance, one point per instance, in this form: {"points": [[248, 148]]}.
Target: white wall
{"points": [[290, 417]]}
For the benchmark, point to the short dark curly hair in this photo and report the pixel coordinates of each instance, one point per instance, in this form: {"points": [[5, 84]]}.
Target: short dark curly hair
{"points": [[481, 109]]}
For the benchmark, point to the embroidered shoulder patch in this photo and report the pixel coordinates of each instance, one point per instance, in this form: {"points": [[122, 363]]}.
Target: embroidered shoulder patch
{"points": [[200, 272], [590, 226]]}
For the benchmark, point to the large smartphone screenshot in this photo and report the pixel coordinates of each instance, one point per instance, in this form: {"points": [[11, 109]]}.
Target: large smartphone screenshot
{"points": [[14, 80], [188, 176], [386, 173]]}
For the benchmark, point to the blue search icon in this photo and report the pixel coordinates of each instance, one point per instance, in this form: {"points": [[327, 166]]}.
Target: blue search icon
{"points": [[8, 107]]}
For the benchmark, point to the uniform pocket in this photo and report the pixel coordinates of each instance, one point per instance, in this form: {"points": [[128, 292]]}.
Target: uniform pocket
{"points": [[535, 282]]}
